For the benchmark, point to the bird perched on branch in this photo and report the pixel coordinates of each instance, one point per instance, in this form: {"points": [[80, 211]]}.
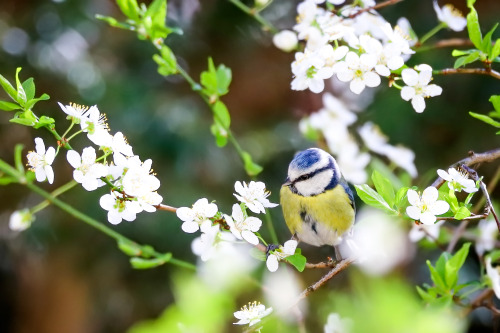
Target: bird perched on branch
{"points": [[318, 204]]}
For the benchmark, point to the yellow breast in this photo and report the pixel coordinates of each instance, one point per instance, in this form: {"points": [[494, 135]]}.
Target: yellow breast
{"points": [[318, 220]]}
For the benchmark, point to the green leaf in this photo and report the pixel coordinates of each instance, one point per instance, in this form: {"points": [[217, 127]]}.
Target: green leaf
{"points": [[425, 295], [18, 157], [221, 114], [141, 263], [157, 12], [167, 63], [495, 50], [9, 106], [400, 197], [129, 8], [33, 101], [29, 88], [26, 118], [44, 121], [9, 89], [462, 61], [494, 255], [224, 77], [384, 187], [129, 248], [486, 119], [458, 53], [220, 134], [114, 22], [372, 198], [473, 28], [462, 213], [495, 100], [486, 44], [251, 168], [454, 264], [21, 94], [297, 260], [470, 3], [437, 278]]}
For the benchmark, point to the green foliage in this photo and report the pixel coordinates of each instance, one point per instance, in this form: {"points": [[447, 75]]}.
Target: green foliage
{"points": [[251, 168], [383, 196], [148, 22], [215, 81], [167, 63], [486, 51], [24, 97], [389, 305], [297, 260], [495, 100], [142, 263], [445, 276], [198, 308]]}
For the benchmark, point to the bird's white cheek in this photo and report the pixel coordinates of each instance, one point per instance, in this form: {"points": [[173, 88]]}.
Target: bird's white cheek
{"points": [[314, 185]]}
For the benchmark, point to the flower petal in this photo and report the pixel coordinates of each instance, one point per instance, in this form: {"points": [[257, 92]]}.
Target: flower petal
{"points": [[272, 263], [250, 237], [418, 103], [430, 195], [413, 197], [190, 227], [413, 212], [407, 93], [427, 218], [74, 159]]}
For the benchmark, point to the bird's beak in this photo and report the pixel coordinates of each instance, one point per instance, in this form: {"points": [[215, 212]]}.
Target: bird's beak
{"points": [[287, 182]]}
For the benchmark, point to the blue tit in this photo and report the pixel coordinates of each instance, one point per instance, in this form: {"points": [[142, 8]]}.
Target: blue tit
{"points": [[318, 205]]}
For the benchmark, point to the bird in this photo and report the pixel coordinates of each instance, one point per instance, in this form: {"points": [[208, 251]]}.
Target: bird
{"points": [[317, 203]]}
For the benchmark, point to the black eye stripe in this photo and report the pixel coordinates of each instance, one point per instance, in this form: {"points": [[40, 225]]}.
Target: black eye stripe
{"points": [[309, 175]]}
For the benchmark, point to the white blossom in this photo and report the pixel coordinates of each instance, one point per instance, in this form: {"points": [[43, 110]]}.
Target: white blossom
{"points": [[378, 243], [398, 38], [280, 290], [254, 196], [458, 181], [417, 86], [494, 276], [285, 40], [280, 253], [243, 227], [138, 180], [450, 16], [403, 157], [425, 208], [87, 172], [198, 216], [310, 71], [20, 220], [74, 111], [252, 314], [95, 125], [337, 324], [429, 231], [488, 234], [353, 163], [40, 161], [119, 208], [358, 70], [211, 242]]}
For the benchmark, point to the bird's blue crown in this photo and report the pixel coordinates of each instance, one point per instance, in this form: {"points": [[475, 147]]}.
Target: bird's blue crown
{"points": [[305, 159]]}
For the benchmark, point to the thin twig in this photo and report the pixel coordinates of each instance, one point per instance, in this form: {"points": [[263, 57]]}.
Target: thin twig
{"points": [[336, 270], [483, 71], [452, 42], [474, 158], [166, 208], [457, 234], [324, 264], [377, 6], [480, 301]]}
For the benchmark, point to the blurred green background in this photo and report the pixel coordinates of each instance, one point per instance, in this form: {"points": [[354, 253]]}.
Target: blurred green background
{"points": [[62, 276]]}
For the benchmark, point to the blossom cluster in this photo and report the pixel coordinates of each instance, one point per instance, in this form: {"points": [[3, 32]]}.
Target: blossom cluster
{"points": [[358, 47], [334, 120], [133, 184]]}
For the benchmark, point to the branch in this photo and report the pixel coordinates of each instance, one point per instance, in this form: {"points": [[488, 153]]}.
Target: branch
{"points": [[255, 14], [377, 6], [473, 159], [484, 71], [339, 267], [166, 208]]}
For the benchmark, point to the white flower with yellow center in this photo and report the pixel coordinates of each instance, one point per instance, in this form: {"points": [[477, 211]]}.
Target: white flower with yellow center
{"points": [[74, 111], [252, 314], [119, 208], [417, 86], [450, 16], [40, 161], [254, 196], [458, 181], [243, 227], [87, 172], [358, 70], [425, 208], [279, 254], [197, 217], [95, 125]]}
